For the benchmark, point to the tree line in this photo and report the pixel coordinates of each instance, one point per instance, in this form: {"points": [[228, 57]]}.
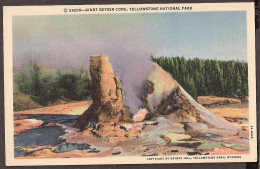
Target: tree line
{"points": [[198, 77], [45, 85], [205, 77]]}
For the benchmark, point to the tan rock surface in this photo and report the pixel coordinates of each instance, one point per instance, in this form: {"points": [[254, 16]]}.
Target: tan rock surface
{"points": [[107, 95]]}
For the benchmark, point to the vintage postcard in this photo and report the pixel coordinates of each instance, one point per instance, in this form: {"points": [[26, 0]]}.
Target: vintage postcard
{"points": [[130, 84]]}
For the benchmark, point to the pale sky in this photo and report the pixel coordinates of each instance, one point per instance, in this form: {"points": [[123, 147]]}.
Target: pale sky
{"points": [[68, 41]]}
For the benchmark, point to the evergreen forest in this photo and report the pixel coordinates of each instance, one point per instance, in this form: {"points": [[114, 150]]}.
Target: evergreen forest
{"points": [[207, 77]]}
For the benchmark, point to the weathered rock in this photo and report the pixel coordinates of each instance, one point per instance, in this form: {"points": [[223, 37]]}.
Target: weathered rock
{"points": [[195, 129], [111, 132], [159, 85], [107, 95], [70, 147], [167, 98]]}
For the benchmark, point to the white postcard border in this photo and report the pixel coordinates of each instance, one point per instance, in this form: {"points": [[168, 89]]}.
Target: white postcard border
{"points": [[10, 11]]}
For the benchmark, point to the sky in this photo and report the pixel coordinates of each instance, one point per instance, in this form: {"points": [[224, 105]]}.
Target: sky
{"points": [[67, 41]]}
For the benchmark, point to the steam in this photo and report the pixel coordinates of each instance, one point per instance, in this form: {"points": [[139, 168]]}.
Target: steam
{"points": [[127, 41], [132, 64], [129, 56], [133, 71]]}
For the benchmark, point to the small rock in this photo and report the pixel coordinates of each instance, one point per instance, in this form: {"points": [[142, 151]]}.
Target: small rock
{"points": [[94, 150], [153, 154], [193, 153], [116, 153]]}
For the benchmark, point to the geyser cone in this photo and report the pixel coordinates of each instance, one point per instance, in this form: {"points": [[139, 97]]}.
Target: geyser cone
{"points": [[167, 98], [107, 95]]}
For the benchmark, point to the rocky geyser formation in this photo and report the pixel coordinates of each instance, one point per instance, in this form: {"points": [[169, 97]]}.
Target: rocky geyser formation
{"points": [[107, 95], [167, 98]]}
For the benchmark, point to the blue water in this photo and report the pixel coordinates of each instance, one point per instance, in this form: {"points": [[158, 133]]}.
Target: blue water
{"points": [[43, 136]]}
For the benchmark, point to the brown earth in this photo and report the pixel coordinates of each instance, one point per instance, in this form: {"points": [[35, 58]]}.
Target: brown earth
{"points": [[22, 125], [76, 108], [237, 113], [157, 138], [216, 101]]}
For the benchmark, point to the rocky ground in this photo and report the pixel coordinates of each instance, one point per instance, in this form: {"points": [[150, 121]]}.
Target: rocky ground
{"points": [[156, 137]]}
